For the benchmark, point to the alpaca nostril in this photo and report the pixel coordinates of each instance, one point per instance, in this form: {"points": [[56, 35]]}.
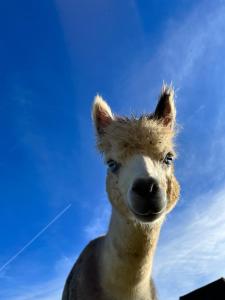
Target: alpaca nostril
{"points": [[153, 188]]}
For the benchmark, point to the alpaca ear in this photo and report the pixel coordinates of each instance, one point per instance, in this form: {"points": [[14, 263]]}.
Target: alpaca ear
{"points": [[165, 109], [101, 114]]}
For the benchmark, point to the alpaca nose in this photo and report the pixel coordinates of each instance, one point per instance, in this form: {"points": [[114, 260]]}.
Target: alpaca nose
{"points": [[146, 197]]}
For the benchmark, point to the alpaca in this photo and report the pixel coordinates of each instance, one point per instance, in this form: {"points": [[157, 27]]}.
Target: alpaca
{"points": [[142, 189]]}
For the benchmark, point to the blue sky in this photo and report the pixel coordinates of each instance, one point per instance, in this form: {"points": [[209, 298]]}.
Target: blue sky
{"points": [[55, 56]]}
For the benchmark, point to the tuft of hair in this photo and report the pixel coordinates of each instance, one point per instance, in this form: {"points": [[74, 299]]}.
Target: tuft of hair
{"points": [[101, 114]]}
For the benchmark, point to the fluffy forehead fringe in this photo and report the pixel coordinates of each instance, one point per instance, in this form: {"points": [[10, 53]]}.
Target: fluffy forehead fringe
{"points": [[128, 136]]}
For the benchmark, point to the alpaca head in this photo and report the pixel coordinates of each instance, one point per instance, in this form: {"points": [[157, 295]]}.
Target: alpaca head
{"points": [[139, 153]]}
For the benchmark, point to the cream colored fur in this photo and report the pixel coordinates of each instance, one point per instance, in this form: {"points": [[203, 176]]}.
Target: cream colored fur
{"points": [[118, 266]]}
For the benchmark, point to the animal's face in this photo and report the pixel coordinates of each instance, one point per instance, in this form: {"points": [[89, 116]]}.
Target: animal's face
{"points": [[139, 153]]}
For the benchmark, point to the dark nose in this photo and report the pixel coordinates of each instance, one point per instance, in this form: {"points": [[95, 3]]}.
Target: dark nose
{"points": [[147, 197]]}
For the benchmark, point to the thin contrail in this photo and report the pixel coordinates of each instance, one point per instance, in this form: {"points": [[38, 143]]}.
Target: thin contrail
{"points": [[35, 237]]}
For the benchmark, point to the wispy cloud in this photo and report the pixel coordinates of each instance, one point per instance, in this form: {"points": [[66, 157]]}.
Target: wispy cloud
{"points": [[43, 290], [188, 46], [98, 225], [192, 43]]}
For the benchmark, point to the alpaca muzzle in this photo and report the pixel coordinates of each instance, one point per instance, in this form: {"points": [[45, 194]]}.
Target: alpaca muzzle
{"points": [[146, 199]]}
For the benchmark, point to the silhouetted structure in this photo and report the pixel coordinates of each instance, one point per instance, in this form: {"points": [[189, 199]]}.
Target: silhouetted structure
{"points": [[212, 291]]}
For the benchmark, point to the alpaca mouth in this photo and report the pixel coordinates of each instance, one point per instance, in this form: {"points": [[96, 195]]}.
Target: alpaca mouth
{"points": [[147, 213], [147, 216]]}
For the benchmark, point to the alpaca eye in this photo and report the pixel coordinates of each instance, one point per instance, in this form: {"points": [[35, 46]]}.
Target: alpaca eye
{"points": [[113, 165], [168, 159]]}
